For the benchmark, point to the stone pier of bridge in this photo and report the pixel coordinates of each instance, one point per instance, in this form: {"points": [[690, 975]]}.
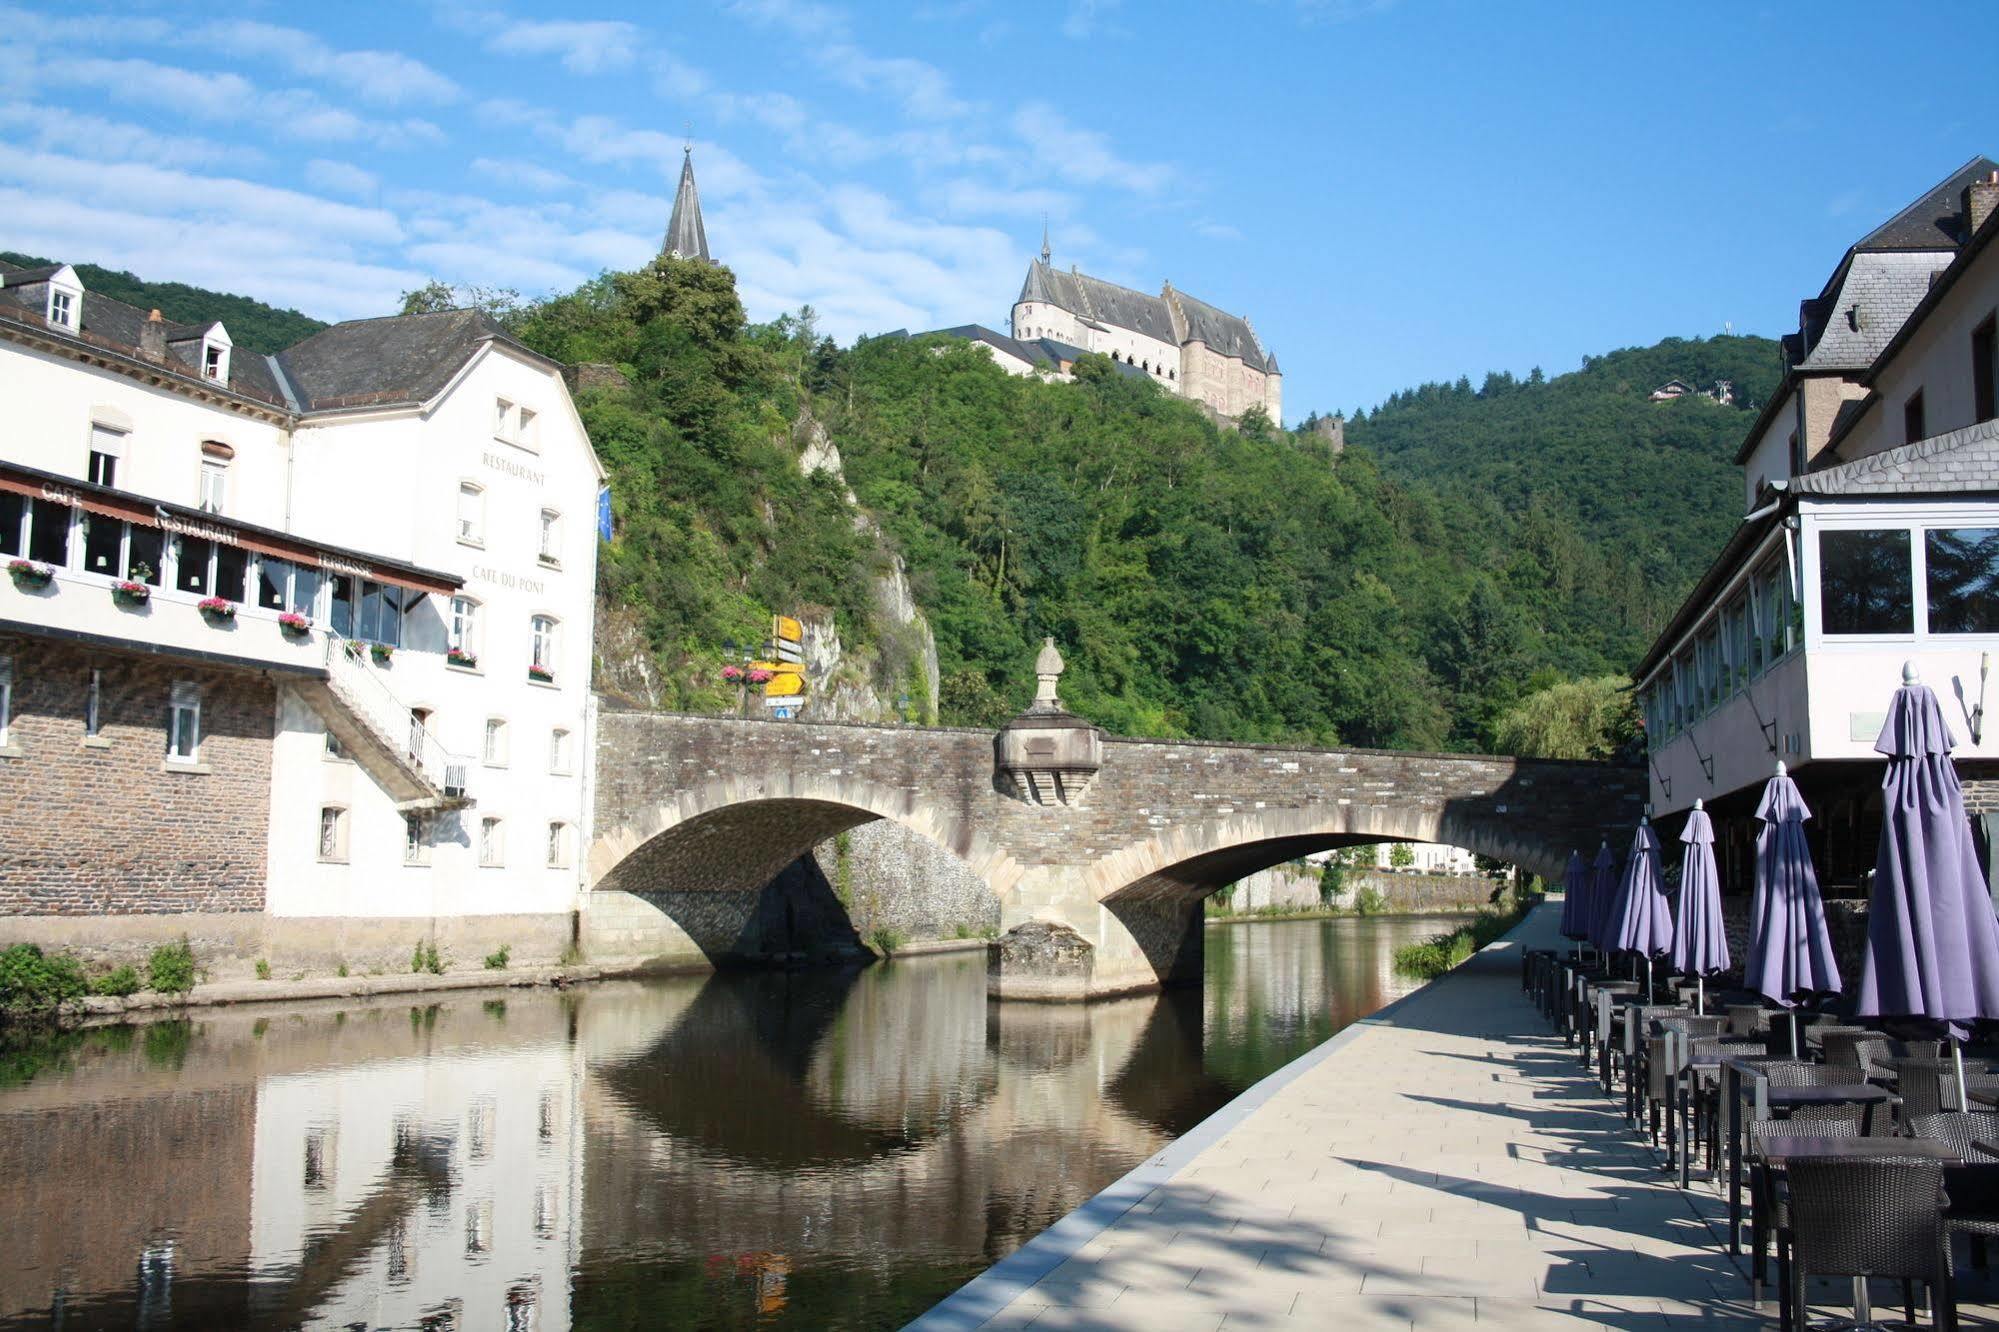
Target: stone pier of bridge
{"points": [[1098, 850]]}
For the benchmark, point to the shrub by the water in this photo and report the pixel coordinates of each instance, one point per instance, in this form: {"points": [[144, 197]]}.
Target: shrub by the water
{"points": [[1438, 954], [34, 983], [497, 959], [171, 969], [1369, 901], [887, 940], [426, 958], [118, 982]]}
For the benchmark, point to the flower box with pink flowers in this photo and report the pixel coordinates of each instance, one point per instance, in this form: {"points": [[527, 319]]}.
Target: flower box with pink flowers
{"points": [[541, 674], [30, 573], [218, 608], [292, 622]]}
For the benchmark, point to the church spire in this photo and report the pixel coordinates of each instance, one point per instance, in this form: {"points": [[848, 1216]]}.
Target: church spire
{"points": [[1046, 253], [685, 236]]}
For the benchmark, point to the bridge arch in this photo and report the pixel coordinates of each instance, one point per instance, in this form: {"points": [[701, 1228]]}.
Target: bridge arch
{"points": [[1192, 860], [734, 834]]}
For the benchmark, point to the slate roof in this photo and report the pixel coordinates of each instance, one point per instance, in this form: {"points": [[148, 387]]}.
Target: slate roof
{"points": [[685, 236], [1228, 334], [1960, 461], [1099, 302], [365, 362], [1877, 291], [394, 359], [1044, 353], [1934, 221], [118, 325]]}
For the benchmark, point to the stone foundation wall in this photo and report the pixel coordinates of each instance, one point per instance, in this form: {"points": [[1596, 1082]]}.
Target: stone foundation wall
{"points": [[888, 877], [103, 825], [228, 945], [1425, 892]]}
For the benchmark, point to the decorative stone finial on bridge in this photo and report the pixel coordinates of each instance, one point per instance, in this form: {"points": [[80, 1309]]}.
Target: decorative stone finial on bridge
{"points": [[1048, 755]]}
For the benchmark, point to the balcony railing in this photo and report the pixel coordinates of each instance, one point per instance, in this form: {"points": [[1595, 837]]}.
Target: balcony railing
{"points": [[363, 690]]}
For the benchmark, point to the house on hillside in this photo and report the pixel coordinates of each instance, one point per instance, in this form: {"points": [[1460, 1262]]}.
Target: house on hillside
{"points": [[1673, 390], [294, 650], [1869, 539]]}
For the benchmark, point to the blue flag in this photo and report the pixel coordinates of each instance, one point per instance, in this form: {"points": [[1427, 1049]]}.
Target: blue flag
{"points": [[604, 513]]}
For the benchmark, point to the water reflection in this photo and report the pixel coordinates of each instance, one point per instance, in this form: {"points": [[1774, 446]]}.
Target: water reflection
{"points": [[813, 1149]]}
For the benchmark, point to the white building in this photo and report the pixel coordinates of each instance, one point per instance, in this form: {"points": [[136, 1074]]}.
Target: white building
{"points": [[1870, 540], [409, 757]]}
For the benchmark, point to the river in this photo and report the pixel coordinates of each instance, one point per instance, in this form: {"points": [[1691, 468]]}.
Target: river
{"points": [[755, 1149]]}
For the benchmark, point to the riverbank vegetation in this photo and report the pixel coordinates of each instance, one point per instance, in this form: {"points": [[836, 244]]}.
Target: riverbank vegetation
{"points": [[1441, 952]]}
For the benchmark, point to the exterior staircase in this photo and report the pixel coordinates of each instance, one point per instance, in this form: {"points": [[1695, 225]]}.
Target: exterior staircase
{"points": [[379, 732]]}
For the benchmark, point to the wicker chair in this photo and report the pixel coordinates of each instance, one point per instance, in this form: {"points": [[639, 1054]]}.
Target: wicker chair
{"points": [[1866, 1218], [1921, 1083], [1748, 1019], [1707, 1097], [1973, 1188], [1658, 1078], [1849, 1048], [1772, 1210], [1973, 1081]]}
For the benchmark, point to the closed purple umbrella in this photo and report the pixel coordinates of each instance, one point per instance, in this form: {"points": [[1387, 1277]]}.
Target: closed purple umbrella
{"points": [[1575, 899], [1932, 940], [1700, 946], [1790, 949], [1602, 896], [1641, 919]]}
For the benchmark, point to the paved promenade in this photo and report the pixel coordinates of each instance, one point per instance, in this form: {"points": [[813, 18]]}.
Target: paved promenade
{"points": [[1446, 1164]]}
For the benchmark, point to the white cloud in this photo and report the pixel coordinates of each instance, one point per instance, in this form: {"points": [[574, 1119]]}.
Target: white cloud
{"points": [[516, 171], [973, 198], [225, 97], [342, 178], [1084, 156], [388, 77], [53, 127], [1086, 18], [583, 46], [800, 18], [923, 89], [1217, 231]]}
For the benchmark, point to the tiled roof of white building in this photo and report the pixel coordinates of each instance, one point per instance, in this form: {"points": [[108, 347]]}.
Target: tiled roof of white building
{"points": [[1878, 291], [1960, 461]]}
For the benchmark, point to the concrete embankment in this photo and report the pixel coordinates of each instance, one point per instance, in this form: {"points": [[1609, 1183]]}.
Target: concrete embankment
{"points": [[1442, 1163]]}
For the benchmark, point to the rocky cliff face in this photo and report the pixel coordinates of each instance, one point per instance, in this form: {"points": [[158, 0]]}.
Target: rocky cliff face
{"points": [[896, 678]]}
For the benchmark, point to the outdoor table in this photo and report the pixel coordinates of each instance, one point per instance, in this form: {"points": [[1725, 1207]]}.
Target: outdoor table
{"points": [[1983, 1095], [1766, 1097], [1779, 1150]]}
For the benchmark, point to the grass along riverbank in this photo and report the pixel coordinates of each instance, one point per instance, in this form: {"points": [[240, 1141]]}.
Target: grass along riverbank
{"points": [[1438, 954]]}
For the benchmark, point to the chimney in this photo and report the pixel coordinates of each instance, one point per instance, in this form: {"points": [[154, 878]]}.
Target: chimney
{"points": [[1980, 199], [153, 337]]}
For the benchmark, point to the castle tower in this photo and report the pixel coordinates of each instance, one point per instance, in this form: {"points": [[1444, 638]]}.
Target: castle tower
{"points": [[686, 238]]}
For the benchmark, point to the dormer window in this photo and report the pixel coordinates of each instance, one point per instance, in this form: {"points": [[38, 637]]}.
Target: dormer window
{"points": [[65, 306], [214, 361], [62, 308]]}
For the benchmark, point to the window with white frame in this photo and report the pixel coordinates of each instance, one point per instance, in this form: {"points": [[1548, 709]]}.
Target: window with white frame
{"points": [[558, 751], [492, 848], [365, 609], [465, 628], [543, 629], [6, 701], [504, 420], [184, 723], [62, 308], [214, 484], [107, 447], [551, 536], [215, 360], [332, 833], [284, 586], [558, 846], [525, 429], [471, 513], [495, 751], [416, 839]]}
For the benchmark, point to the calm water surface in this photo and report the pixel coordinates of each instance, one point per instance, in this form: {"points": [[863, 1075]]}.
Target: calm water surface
{"points": [[810, 1150]]}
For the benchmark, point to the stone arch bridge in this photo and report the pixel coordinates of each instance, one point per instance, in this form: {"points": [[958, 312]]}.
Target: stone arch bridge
{"points": [[1099, 895]]}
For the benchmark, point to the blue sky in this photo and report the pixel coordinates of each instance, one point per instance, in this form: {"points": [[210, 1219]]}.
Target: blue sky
{"points": [[1391, 190]]}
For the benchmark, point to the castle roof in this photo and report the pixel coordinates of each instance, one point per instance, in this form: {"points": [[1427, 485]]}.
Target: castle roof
{"points": [[685, 236], [1172, 317], [1224, 333], [1099, 302]]}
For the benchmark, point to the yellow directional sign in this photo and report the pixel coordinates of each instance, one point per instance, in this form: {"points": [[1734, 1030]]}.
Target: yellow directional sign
{"points": [[786, 630], [784, 684]]}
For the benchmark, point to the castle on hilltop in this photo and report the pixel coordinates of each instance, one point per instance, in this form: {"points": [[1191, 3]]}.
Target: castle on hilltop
{"points": [[1185, 345]]}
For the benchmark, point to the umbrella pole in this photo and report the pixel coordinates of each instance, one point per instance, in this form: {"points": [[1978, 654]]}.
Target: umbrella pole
{"points": [[1957, 1060], [1794, 1033], [1700, 995], [1648, 978]]}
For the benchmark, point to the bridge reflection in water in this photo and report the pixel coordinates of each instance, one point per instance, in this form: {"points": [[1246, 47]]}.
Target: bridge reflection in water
{"points": [[815, 1149]]}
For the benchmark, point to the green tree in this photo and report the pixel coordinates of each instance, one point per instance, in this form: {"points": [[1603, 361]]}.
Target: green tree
{"points": [[1594, 718], [1401, 856]]}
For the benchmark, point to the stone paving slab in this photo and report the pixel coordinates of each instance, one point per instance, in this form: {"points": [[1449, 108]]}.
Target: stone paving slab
{"points": [[1445, 1164]]}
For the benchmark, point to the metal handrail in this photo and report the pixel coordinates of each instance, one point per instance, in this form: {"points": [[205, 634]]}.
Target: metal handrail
{"points": [[371, 698]]}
